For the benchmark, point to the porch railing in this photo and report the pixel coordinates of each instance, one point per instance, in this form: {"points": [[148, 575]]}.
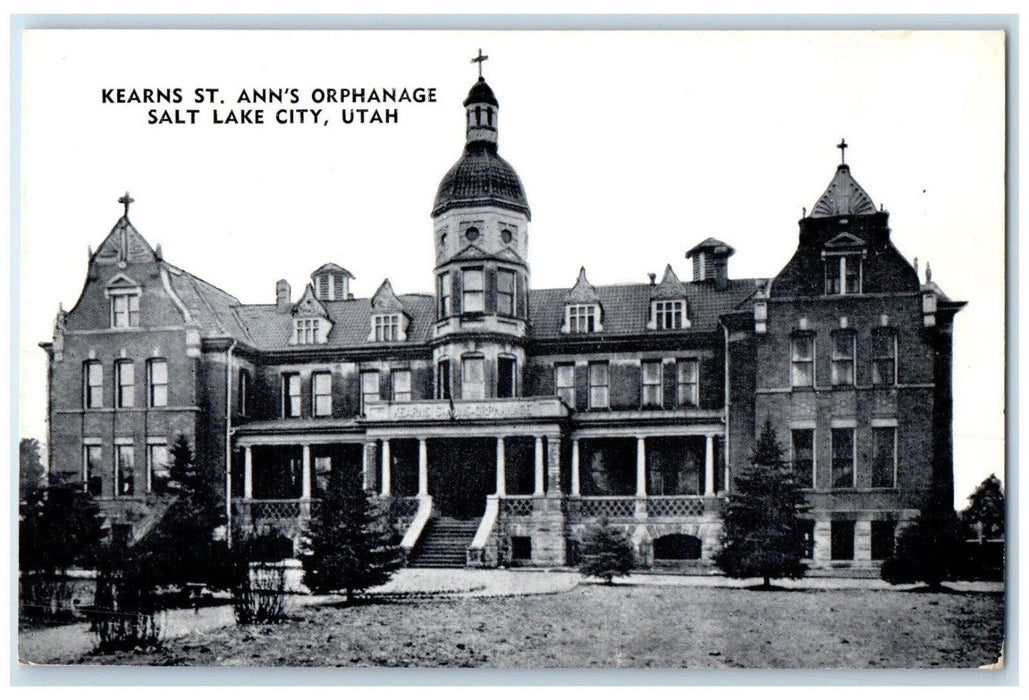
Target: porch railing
{"points": [[636, 508], [515, 506]]}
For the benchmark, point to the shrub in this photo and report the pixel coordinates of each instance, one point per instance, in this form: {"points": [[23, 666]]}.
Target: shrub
{"points": [[127, 613], [930, 550], [605, 552], [260, 591]]}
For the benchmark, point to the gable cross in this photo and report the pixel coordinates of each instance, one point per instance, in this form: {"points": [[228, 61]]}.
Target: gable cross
{"points": [[126, 200], [479, 59], [842, 145]]}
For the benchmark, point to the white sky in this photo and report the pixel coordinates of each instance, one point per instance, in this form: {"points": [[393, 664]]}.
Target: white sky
{"points": [[632, 147]]}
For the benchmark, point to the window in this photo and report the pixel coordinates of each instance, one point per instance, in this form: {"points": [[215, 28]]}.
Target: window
{"points": [[884, 459], [473, 380], [92, 466], [843, 359], [651, 383], [124, 310], [291, 396], [505, 377], [157, 383], [387, 327], [158, 473], [581, 318], [884, 357], [842, 536], [506, 292], [599, 397], [843, 274], [244, 392], [321, 394], [808, 534], [883, 533], [668, 315], [802, 354], [401, 381], [306, 330], [369, 389], [687, 383], [472, 295], [92, 384], [443, 379], [444, 291], [125, 379], [472, 233], [804, 457], [564, 383], [843, 458], [125, 472]]}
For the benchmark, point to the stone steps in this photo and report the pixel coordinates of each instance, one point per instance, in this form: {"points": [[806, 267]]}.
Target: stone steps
{"points": [[444, 544]]}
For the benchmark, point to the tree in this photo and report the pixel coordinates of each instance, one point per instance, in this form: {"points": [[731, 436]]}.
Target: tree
{"points": [[764, 534], [31, 475], [606, 552], [351, 544], [984, 516], [930, 549]]}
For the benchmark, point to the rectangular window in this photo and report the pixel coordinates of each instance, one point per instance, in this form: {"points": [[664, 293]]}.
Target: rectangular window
{"points": [[804, 457], [401, 381], [158, 472], [581, 318], [124, 310], [687, 383], [505, 377], [599, 393], [443, 379], [387, 327], [842, 535], [125, 378], [564, 383], [92, 468], [291, 396], [843, 274], [473, 381], [843, 359], [306, 331], [92, 384], [668, 315], [802, 360], [884, 357], [443, 295], [244, 392], [321, 394], [843, 458], [652, 389], [884, 459], [883, 534], [370, 392], [157, 383], [505, 292], [125, 466], [472, 290]]}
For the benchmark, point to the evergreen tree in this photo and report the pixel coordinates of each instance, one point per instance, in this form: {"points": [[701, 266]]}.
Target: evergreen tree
{"points": [[31, 475], [984, 516], [351, 544], [606, 552], [930, 549], [60, 527], [764, 534]]}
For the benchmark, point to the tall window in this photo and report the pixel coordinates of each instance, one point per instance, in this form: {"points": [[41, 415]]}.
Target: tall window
{"points": [[443, 379], [401, 384], [125, 466], [802, 360], [157, 383], [92, 384], [443, 295], [843, 458], [370, 392], [564, 383], [321, 394], [669, 314], [473, 379], [387, 327], [599, 392], [687, 383], [92, 468], [291, 395], [306, 330], [843, 274], [582, 318], [843, 358], [505, 377], [804, 457], [505, 292], [125, 378], [884, 459], [244, 392], [158, 473], [472, 290], [124, 310], [651, 383], [884, 357]]}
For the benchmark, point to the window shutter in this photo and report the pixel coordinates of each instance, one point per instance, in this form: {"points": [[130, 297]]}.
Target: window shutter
{"points": [[582, 386], [337, 287], [456, 300], [490, 289], [668, 377]]}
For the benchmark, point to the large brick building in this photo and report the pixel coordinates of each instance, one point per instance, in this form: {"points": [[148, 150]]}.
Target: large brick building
{"points": [[499, 419]]}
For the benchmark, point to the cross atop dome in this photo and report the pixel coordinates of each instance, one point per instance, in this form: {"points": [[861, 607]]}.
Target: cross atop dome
{"points": [[479, 59]]}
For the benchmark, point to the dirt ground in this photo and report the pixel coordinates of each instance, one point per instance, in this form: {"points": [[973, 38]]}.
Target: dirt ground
{"points": [[620, 626]]}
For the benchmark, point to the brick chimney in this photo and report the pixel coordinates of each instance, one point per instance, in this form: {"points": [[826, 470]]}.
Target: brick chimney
{"points": [[282, 296]]}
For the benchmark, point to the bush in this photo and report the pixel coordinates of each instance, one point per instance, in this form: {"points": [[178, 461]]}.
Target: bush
{"points": [[930, 550], [260, 591], [127, 613], [605, 552]]}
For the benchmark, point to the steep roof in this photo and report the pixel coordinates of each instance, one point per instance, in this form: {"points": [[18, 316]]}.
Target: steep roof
{"points": [[211, 307], [843, 197]]}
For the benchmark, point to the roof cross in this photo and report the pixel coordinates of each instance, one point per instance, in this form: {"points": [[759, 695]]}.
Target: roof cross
{"points": [[479, 59], [842, 145], [126, 200]]}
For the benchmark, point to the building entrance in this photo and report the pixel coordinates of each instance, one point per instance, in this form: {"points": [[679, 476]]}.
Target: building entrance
{"points": [[462, 472]]}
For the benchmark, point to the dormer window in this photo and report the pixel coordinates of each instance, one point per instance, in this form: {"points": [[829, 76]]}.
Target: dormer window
{"points": [[306, 331], [124, 309], [843, 274], [387, 327], [669, 315], [582, 318]]}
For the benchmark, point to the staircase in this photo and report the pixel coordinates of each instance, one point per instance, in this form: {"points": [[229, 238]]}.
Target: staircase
{"points": [[444, 544]]}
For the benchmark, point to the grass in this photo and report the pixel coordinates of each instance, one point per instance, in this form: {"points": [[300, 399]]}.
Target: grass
{"points": [[619, 626]]}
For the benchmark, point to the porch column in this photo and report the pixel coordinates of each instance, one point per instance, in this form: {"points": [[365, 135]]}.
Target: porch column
{"points": [[369, 466], [709, 465], [385, 467], [501, 473], [305, 473], [641, 467], [248, 472], [575, 466], [538, 491], [423, 467]]}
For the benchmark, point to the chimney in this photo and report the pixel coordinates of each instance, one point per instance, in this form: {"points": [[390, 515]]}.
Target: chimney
{"points": [[282, 295], [653, 278], [711, 262]]}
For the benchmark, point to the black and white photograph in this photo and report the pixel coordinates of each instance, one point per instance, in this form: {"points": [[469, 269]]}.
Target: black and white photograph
{"points": [[511, 349]]}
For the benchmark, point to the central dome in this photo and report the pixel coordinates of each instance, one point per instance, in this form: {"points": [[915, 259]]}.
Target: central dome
{"points": [[480, 177]]}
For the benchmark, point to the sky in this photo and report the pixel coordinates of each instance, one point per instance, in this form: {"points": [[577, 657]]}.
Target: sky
{"points": [[632, 147]]}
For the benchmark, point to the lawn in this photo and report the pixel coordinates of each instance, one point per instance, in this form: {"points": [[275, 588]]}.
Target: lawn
{"points": [[620, 626]]}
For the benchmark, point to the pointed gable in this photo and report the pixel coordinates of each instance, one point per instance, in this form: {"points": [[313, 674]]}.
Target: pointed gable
{"points": [[311, 324], [124, 244], [583, 312], [670, 286], [844, 241], [309, 305], [582, 292], [385, 299], [843, 197], [668, 304], [389, 321]]}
